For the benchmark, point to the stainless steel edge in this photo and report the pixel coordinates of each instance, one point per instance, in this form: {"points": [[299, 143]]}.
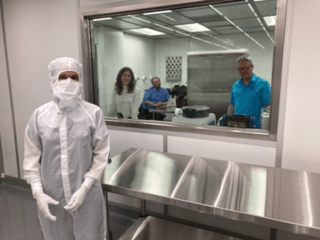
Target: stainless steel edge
{"points": [[127, 6], [1, 159], [191, 128], [165, 143], [284, 83], [105, 10], [277, 67], [276, 189], [156, 229], [235, 215], [86, 59], [277, 198]]}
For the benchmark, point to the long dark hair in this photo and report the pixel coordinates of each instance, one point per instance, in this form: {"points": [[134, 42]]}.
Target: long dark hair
{"points": [[119, 84]]}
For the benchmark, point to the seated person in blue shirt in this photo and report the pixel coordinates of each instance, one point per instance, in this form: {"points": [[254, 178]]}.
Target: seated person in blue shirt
{"points": [[154, 98], [250, 94]]}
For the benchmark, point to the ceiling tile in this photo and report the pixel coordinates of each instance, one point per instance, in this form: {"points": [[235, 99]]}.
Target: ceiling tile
{"points": [[159, 37], [229, 31], [136, 22], [236, 11], [267, 8], [272, 28], [216, 24], [206, 34], [253, 29], [160, 29], [171, 18], [223, 28], [211, 18], [119, 24], [200, 12], [247, 22]]}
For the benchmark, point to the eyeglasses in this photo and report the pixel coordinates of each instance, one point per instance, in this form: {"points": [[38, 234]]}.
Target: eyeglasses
{"points": [[244, 69]]}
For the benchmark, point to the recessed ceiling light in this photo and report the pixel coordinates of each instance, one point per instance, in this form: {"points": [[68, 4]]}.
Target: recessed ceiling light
{"points": [[194, 27], [147, 31], [271, 20], [102, 19], [159, 12]]}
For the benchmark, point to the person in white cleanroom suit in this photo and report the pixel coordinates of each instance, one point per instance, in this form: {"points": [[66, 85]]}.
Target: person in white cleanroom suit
{"points": [[66, 151]]}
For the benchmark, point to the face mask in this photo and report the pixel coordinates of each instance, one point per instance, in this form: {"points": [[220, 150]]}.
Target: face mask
{"points": [[67, 88]]}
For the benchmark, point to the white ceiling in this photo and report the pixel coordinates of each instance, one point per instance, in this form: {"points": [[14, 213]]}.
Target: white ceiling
{"points": [[238, 12]]}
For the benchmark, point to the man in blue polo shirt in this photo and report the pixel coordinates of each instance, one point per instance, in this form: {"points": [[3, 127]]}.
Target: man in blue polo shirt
{"points": [[250, 94], [155, 97]]}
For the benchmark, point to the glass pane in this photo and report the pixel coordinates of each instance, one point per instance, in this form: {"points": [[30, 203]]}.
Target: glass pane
{"points": [[194, 54]]}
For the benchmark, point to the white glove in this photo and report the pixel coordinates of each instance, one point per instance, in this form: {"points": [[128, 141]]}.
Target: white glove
{"points": [[79, 196], [43, 201]]}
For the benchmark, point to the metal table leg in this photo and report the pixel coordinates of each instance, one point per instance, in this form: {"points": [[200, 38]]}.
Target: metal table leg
{"points": [[166, 210], [143, 208], [273, 234]]}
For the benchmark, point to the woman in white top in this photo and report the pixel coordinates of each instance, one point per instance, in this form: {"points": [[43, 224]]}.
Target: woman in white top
{"points": [[126, 96]]}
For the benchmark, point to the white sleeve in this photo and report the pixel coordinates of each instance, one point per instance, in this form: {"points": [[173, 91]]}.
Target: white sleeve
{"points": [[113, 110], [101, 149], [31, 163], [32, 156], [136, 104]]}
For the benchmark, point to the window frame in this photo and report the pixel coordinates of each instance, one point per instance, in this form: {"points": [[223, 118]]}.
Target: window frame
{"points": [[109, 10]]}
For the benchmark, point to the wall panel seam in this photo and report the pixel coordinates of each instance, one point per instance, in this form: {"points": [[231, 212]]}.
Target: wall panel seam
{"points": [[10, 87]]}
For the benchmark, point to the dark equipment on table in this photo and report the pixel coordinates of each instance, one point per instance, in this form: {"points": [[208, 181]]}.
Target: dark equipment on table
{"points": [[180, 91], [237, 121], [195, 111]]}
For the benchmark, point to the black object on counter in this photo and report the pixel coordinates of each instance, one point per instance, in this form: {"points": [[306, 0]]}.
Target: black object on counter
{"points": [[237, 120], [195, 111]]}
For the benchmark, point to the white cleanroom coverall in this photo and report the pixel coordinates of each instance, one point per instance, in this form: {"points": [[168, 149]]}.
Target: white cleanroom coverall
{"points": [[67, 143]]}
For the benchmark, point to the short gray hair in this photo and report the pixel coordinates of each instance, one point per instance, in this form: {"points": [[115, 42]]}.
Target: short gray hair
{"points": [[245, 58], [154, 78]]}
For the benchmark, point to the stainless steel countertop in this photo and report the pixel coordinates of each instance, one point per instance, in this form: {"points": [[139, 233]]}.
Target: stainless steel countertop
{"points": [[277, 198]]}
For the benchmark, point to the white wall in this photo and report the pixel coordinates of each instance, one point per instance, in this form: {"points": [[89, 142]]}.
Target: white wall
{"points": [[248, 151], [37, 32], [116, 50], [262, 58], [109, 43], [139, 55], [301, 137], [223, 149], [171, 47], [6, 123]]}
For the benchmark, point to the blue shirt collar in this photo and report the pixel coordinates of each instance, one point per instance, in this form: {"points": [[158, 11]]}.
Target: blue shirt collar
{"points": [[154, 89], [253, 79]]}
